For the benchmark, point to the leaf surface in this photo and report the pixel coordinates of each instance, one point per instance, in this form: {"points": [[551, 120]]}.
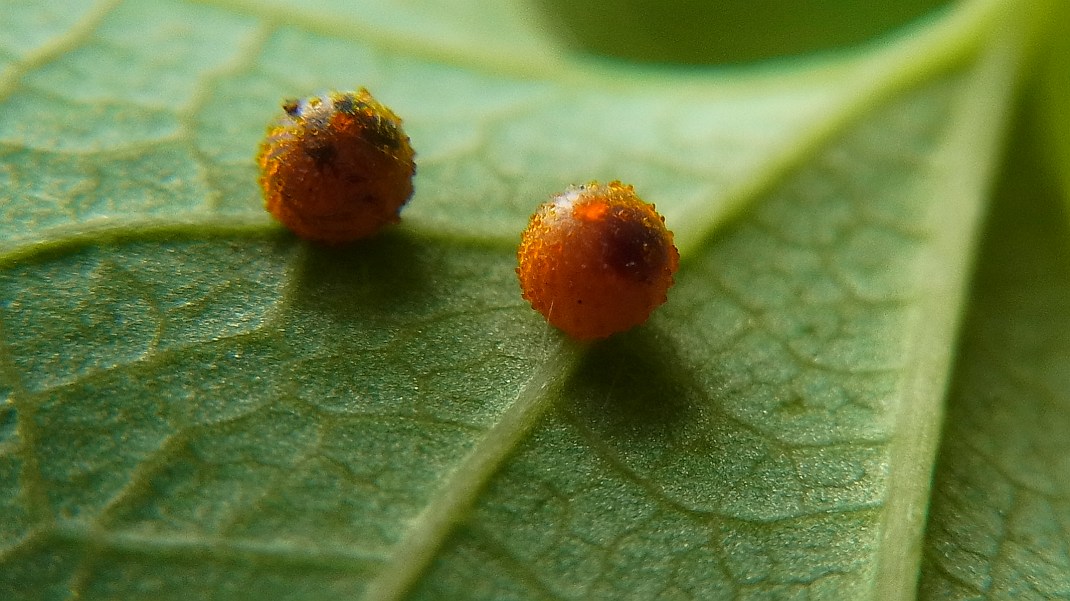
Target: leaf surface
{"points": [[197, 405], [1001, 501]]}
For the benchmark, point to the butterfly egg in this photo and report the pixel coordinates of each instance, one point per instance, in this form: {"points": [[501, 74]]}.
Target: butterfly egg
{"points": [[596, 260], [336, 168]]}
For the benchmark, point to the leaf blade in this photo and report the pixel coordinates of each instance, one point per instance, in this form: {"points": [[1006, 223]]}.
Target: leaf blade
{"points": [[191, 388], [999, 486]]}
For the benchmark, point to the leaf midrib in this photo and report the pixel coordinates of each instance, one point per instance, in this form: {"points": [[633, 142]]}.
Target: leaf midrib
{"points": [[966, 162], [461, 488]]}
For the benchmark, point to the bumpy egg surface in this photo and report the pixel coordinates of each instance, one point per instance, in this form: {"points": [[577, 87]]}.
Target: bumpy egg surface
{"points": [[336, 168], [596, 260]]}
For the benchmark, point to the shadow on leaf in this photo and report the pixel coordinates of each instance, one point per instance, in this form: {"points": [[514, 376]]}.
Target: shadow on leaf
{"points": [[633, 387], [386, 275]]}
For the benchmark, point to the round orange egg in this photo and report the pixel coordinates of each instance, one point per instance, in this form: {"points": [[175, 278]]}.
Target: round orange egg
{"points": [[336, 168], [596, 260]]}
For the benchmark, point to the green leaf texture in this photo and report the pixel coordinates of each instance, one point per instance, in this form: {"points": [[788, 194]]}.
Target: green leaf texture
{"points": [[197, 405], [1000, 523]]}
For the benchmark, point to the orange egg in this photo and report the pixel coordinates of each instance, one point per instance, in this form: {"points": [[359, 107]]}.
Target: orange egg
{"points": [[336, 168], [596, 260]]}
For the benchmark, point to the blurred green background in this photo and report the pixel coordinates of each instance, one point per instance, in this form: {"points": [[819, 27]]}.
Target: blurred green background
{"points": [[729, 31]]}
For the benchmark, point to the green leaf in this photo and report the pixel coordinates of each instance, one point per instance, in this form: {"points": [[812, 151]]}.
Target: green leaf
{"points": [[198, 405], [1001, 500], [1054, 102]]}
